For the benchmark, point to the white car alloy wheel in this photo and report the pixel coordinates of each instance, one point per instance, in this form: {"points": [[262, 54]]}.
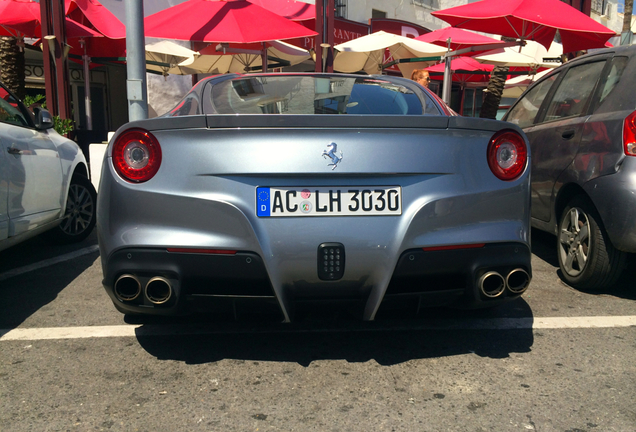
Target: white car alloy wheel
{"points": [[80, 213], [80, 210]]}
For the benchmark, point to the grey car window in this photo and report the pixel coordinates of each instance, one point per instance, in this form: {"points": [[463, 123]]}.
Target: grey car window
{"points": [[9, 111], [574, 91], [617, 67], [525, 111], [317, 95]]}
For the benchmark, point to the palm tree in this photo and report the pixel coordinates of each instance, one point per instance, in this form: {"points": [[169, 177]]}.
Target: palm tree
{"points": [[12, 72], [495, 90], [627, 17]]}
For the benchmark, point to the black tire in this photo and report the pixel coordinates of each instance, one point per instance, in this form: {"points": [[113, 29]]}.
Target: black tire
{"points": [[587, 258], [80, 216]]}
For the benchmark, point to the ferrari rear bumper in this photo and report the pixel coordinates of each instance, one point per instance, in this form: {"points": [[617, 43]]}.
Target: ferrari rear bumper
{"points": [[162, 282]]}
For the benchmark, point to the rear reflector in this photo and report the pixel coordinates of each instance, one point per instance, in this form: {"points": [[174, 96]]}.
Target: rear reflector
{"points": [[629, 135], [203, 251], [453, 247]]}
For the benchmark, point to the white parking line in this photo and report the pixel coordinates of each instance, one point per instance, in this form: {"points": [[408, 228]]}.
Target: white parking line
{"points": [[48, 262], [52, 333]]}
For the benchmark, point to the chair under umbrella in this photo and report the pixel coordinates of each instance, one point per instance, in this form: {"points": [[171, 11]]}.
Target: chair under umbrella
{"points": [[366, 53], [536, 20]]}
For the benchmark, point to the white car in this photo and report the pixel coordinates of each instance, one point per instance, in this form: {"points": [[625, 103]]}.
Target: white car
{"points": [[44, 184]]}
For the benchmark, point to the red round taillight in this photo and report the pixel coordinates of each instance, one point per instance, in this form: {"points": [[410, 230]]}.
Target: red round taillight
{"points": [[136, 155], [507, 155]]}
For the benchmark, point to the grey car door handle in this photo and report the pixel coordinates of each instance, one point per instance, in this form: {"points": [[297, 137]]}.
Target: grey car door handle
{"points": [[15, 151], [568, 134]]}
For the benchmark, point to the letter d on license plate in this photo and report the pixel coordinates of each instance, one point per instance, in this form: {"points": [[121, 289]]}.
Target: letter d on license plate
{"points": [[329, 201]]}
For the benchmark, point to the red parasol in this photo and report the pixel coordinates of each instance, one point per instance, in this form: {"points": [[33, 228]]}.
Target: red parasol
{"points": [[460, 39], [464, 70], [93, 15], [222, 21], [290, 9], [20, 18], [536, 20]]}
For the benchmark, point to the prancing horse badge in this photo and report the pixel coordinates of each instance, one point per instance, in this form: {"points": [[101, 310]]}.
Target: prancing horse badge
{"points": [[331, 153]]}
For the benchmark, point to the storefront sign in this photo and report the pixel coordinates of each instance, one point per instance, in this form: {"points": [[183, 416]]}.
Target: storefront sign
{"points": [[343, 31]]}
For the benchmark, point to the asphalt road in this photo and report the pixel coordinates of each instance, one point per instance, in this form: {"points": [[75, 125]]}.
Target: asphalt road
{"points": [[557, 359]]}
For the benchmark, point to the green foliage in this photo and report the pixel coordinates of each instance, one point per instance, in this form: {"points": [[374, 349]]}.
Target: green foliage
{"points": [[30, 100], [61, 126]]}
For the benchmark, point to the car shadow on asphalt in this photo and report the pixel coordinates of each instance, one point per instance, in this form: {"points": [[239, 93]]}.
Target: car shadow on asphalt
{"points": [[25, 293], [544, 247], [433, 333]]}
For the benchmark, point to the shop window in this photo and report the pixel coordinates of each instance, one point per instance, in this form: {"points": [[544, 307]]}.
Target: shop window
{"points": [[340, 8], [377, 14]]}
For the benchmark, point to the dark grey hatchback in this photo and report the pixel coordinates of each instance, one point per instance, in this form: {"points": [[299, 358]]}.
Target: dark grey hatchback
{"points": [[581, 123]]}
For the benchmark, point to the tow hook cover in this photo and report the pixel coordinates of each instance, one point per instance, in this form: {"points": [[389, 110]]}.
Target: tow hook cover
{"points": [[331, 261]]}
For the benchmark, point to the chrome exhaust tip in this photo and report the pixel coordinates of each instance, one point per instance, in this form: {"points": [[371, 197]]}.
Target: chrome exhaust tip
{"points": [[127, 287], [492, 284], [518, 281], [158, 290]]}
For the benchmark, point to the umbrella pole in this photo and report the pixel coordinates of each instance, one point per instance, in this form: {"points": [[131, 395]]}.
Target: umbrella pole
{"points": [[264, 57], [87, 88], [446, 86]]}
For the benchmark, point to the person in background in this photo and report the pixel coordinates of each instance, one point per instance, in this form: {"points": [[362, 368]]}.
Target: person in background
{"points": [[421, 76]]}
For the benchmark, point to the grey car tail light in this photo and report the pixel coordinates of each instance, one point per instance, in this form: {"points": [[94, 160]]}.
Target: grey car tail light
{"points": [[629, 134], [507, 155], [136, 155]]}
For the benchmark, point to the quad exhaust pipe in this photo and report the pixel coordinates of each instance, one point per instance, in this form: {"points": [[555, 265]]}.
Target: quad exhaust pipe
{"points": [[127, 287], [518, 280], [158, 290], [492, 284]]}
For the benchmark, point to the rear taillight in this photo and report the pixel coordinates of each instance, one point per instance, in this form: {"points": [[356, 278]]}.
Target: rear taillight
{"points": [[507, 155], [136, 155], [629, 135]]}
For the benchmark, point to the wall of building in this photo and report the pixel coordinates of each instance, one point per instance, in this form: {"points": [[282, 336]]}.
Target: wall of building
{"points": [[415, 11]]}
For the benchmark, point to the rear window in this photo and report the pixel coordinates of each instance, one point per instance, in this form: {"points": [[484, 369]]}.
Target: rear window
{"points": [[294, 94]]}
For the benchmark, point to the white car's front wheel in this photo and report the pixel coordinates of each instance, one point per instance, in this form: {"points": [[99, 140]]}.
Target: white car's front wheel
{"points": [[80, 215]]}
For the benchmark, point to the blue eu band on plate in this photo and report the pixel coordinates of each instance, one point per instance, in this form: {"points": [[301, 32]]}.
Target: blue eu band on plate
{"points": [[328, 201]]}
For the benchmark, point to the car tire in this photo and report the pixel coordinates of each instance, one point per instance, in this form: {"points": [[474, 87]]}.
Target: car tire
{"points": [[80, 215], [586, 256]]}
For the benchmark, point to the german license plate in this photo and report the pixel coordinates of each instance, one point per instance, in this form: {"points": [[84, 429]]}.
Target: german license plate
{"points": [[328, 201]]}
